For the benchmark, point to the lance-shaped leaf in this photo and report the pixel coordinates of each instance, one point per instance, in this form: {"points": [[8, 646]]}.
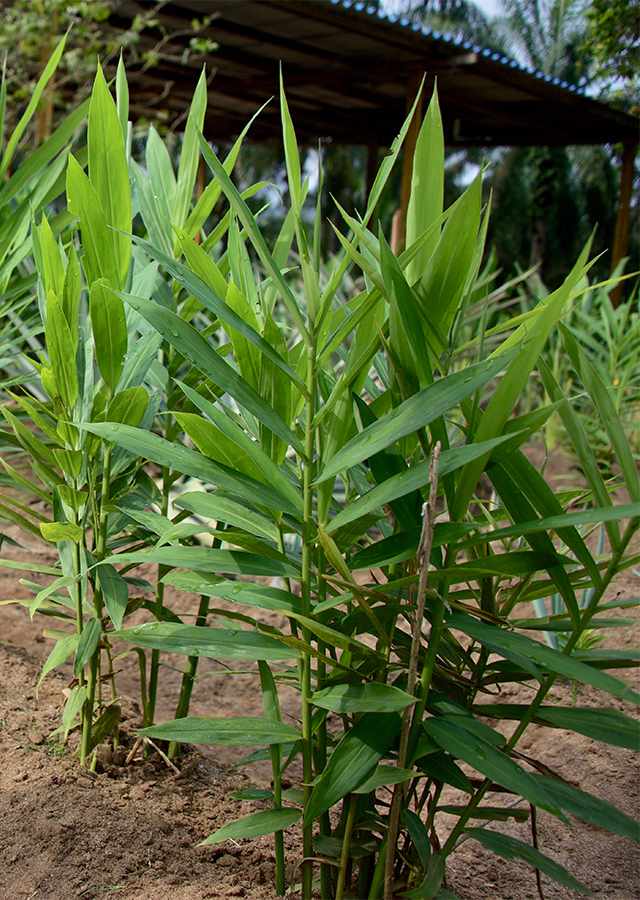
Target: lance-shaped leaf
{"points": [[487, 759], [409, 480], [212, 643], [427, 188], [589, 808], [271, 473], [115, 593], [367, 697], [109, 172], [61, 345], [245, 592], [204, 288], [189, 152], [242, 731], [87, 644], [246, 217], [608, 725], [110, 335], [517, 646], [188, 462], [352, 761], [99, 260], [201, 354], [217, 506], [205, 559], [416, 412], [18, 131], [510, 387], [604, 404], [267, 821], [512, 848]]}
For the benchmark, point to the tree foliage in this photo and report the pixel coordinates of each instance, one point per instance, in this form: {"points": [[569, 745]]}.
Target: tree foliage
{"points": [[614, 44], [30, 31]]}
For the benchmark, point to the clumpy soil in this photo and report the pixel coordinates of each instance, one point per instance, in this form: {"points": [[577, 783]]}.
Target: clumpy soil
{"points": [[132, 832]]}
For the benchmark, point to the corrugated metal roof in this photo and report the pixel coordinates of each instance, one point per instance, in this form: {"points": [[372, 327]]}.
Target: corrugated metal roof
{"points": [[349, 70]]}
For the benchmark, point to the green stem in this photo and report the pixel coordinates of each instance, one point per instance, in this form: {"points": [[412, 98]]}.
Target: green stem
{"points": [[159, 604], [346, 846], [276, 763], [305, 662], [94, 662]]}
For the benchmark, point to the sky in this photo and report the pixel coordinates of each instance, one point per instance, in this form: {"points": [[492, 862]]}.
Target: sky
{"points": [[488, 7]]}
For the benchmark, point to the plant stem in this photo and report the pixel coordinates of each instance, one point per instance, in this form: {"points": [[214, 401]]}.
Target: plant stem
{"points": [[305, 662], [346, 846], [424, 552], [94, 662], [159, 604]]}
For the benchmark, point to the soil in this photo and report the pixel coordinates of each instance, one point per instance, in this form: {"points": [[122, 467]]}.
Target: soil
{"points": [[133, 831]]}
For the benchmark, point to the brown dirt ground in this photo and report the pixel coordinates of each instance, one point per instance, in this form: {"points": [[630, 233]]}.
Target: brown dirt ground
{"points": [[132, 832]]}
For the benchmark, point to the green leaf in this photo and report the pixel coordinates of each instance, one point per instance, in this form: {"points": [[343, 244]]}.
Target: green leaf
{"points": [[367, 697], [207, 285], [110, 334], [442, 767], [409, 480], [109, 172], [196, 350], [61, 347], [605, 406], [64, 648], [416, 412], [517, 646], [588, 463], [87, 645], [61, 531], [487, 759], [382, 776], [18, 130], [271, 473], [245, 592], [99, 260], [511, 848], [242, 731], [352, 761], [129, 406], [419, 835], [607, 725], [188, 462], [589, 808], [267, 821], [104, 725], [189, 152], [205, 559], [217, 506], [531, 340], [427, 188], [246, 217], [115, 593], [211, 643]]}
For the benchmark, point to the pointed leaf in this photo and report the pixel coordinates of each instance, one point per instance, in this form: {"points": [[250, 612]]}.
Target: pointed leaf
{"points": [[267, 821], [243, 731], [211, 643], [511, 848]]}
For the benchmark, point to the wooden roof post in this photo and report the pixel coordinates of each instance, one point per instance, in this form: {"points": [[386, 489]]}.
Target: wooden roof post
{"points": [[400, 218], [621, 238]]}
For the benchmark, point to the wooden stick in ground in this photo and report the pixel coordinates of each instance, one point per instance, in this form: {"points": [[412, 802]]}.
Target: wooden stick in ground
{"points": [[422, 558]]}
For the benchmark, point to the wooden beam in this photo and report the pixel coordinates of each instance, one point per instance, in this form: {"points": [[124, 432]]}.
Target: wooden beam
{"points": [[623, 220]]}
